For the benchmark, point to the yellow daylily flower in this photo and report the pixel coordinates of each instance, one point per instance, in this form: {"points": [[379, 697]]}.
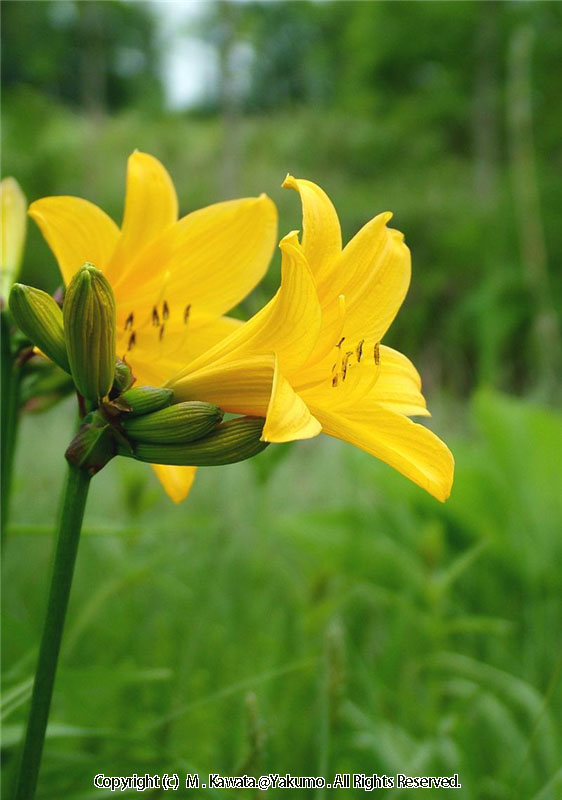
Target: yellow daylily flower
{"points": [[173, 279], [13, 207], [311, 361]]}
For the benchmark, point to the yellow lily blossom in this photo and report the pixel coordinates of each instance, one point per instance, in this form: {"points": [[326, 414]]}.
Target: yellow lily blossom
{"points": [[173, 279], [312, 361], [13, 205]]}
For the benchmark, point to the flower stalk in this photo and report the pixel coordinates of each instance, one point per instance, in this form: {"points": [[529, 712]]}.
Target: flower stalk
{"points": [[68, 537], [11, 375]]}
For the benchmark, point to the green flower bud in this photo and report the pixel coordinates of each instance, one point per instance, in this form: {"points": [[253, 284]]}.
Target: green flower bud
{"points": [[232, 441], [89, 329], [123, 376], [39, 317], [94, 444], [143, 399], [176, 424], [13, 213]]}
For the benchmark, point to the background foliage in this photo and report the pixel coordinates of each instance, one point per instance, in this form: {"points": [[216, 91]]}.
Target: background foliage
{"points": [[311, 611]]}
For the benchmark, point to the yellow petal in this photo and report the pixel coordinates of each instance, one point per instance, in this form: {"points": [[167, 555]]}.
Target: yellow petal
{"points": [[288, 417], [177, 481], [240, 387], [410, 448], [331, 333], [76, 231], [151, 206], [14, 219], [321, 228], [210, 259], [252, 386], [158, 351], [288, 325], [373, 273], [334, 386], [398, 385]]}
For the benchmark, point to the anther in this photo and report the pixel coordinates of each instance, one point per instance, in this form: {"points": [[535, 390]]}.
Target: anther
{"points": [[345, 364], [335, 381], [186, 314], [341, 341], [165, 311], [155, 316], [359, 350], [129, 321], [377, 353], [161, 332], [132, 340]]}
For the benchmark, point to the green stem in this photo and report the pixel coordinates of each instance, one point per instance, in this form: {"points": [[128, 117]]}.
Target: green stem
{"points": [[70, 524], [11, 374]]}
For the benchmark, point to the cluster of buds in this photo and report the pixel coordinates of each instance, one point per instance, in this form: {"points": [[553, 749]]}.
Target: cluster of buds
{"points": [[141, 422]]}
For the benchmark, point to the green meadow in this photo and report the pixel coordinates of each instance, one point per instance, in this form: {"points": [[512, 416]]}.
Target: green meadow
{"points": [[307, 612]]}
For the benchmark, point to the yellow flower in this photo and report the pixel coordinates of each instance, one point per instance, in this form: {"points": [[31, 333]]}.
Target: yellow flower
{"points": [[172, 279], [13, 204], [311, 361]]}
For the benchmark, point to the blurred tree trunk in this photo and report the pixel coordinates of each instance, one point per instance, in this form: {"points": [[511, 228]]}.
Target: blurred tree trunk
{"points": [[92, 59], [485, 108], [93, 85], [527, 207], [229, 100]]}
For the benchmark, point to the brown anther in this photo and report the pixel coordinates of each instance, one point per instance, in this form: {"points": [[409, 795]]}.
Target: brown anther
{"points": [[132, 340], [161, 332], [345, 364], [155, 316], [129, 321], [335, 381], [359, 350], [341, 341], [377, 353], [165, 311], [186, 314]]}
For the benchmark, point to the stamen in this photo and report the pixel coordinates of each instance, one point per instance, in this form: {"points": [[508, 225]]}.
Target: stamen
{"points": [[345, 364], [341, 341], [186, 314], [129, 321], [359, 350], [155, 316], [132, 340], [377, 353], [165, 311], [335, 381], [161, 332]]}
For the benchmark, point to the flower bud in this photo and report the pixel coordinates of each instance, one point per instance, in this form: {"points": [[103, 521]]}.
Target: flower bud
{"points": [[232, 441], [143, 399], [176, 424], [123, 377], [94, 444], [14, 220], [39, 317], [89, 329]]}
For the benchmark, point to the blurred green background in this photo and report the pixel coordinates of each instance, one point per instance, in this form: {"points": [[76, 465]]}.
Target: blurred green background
{"points": [[311, 611]]}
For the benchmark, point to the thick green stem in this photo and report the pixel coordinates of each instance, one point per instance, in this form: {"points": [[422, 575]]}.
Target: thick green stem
{"points": [[70, 524], [11, 373]]}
